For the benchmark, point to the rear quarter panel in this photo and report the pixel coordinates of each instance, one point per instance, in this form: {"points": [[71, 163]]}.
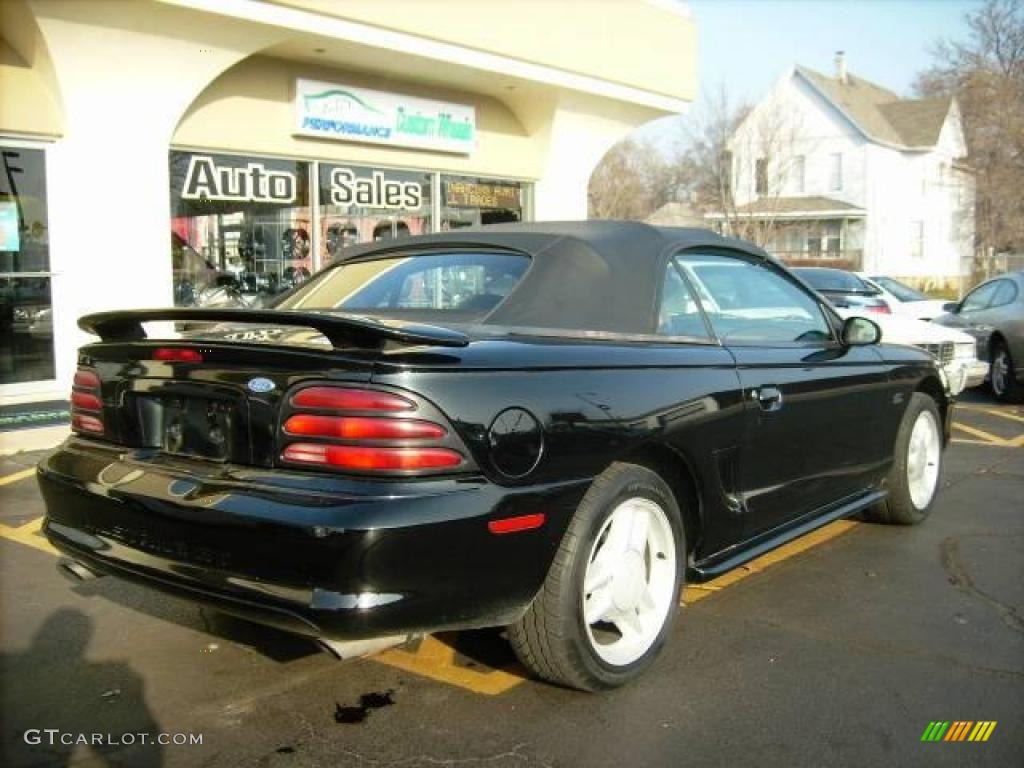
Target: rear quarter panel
{"points": [[597, 403]]}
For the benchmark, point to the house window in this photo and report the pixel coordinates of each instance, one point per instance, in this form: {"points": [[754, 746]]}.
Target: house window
{"points": [[917, 239], [761, 176], [799, 168], [833, 241], [836, 171]]}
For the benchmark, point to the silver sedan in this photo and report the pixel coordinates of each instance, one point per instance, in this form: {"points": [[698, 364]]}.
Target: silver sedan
{"points": [[993, 312]]}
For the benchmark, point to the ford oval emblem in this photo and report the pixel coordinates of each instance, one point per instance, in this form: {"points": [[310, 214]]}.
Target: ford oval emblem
{"points": [[260, 385]]}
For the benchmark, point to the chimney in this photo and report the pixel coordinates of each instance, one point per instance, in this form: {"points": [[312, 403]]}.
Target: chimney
{"points": [[841, 67]]}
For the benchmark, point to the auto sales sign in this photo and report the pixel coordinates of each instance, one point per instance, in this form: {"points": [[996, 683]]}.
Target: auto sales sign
{"points": [[333, 111]]}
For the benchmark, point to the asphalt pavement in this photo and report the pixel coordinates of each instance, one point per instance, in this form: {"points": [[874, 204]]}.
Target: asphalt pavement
{"points": [[840, 650]]}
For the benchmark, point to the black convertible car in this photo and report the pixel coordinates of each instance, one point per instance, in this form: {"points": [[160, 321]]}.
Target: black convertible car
{"points": [[545, 427]]}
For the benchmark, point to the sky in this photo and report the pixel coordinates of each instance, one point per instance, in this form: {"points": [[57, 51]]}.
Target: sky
{"points": [[746, 45]]}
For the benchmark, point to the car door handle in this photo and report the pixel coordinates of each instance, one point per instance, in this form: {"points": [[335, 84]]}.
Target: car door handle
{"points": [[769, 398]]}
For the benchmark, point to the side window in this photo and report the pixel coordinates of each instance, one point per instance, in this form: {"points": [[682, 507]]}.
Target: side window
{"points": [[1006, 293], [679, 314], [749, 302], [979, 298]]}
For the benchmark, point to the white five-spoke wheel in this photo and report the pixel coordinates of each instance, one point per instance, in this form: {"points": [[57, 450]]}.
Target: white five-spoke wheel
{"points": [[610, 596], [913, 479], [630, 581], [923, 456]]}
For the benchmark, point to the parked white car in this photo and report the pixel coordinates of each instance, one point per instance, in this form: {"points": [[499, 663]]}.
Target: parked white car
{"points": [[956, 351], [904, 300]]}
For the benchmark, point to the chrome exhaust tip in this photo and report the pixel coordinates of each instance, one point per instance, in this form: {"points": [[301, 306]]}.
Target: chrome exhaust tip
{"points": [[75, 571], [354, 649]]}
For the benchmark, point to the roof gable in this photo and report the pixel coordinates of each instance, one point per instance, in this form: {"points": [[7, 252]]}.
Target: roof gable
{"points": [[879, 113]]}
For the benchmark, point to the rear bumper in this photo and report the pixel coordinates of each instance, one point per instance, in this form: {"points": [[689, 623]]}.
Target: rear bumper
{"points": [[324, 556]]}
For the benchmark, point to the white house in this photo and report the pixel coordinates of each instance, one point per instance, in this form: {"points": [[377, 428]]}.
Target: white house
{"points": [[840, 171]]}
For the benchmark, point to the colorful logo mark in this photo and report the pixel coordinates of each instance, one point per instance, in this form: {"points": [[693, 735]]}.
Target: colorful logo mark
{"points": [[958, 730]]}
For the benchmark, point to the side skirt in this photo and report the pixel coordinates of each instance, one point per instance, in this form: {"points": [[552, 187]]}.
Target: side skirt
{"points": [[739, 554]]}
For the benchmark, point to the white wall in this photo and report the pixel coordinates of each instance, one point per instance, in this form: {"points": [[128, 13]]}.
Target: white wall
{"points": [[794, 120], [896, 188], [909, 187]]}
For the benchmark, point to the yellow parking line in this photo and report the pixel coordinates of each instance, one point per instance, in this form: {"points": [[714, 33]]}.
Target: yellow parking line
{"points": [[987, 436], [16, 476], [28, 534], [695, 592], [967, 441], [435, 659], [991, 412]]}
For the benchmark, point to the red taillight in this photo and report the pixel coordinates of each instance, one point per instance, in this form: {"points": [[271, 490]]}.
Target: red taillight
{"points": [[344, 399], [177, 355], [333, 424], [87, 401], [85, 396], [87, 379], [365, 458], [362, 428], [85, 423]]}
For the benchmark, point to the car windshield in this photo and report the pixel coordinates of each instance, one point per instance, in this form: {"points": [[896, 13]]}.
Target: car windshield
{"points": [[834, 281], [460, 286], [899, 290]]}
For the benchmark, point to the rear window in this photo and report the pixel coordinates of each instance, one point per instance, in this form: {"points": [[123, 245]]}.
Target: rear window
{"points": [[456, 285], [899, 290], [834, 280]]}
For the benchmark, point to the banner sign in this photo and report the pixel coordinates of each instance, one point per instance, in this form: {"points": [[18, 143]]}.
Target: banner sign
{"points": [[472, 194], [332, 111]]}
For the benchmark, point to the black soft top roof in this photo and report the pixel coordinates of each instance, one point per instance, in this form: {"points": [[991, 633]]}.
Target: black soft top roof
{"points": [[586, 275]]}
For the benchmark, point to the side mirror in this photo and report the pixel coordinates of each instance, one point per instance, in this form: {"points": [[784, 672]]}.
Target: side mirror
{"points": [[859, 332], [951, 307]]}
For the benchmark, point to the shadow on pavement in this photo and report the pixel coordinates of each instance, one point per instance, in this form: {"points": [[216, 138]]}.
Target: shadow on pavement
{"points": [[274, 644], [104, 698]]}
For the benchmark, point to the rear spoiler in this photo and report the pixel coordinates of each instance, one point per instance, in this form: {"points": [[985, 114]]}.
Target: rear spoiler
{"points": [[340, 330]]}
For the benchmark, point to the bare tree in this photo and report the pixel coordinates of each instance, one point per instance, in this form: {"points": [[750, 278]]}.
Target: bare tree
{"points": [[632, 180], [985, 71], [732, 155]]}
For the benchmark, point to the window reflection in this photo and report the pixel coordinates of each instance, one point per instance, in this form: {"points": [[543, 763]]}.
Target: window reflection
{"points": [[26, 316], [366, 205], [240, 232]]}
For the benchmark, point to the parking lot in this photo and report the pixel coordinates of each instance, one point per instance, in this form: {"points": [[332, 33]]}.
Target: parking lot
{"points": [[840, 649]]}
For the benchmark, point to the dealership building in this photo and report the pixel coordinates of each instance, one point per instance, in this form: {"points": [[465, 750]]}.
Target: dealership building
{"points": [[203, 151]]}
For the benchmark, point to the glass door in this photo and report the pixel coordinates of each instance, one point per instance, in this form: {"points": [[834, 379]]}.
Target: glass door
{"points": [[26, 313]]}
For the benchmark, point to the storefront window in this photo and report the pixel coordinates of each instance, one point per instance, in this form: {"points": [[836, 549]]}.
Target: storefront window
{"points": [[363, 205], [26, 321], [469, 201], [240, 228]]}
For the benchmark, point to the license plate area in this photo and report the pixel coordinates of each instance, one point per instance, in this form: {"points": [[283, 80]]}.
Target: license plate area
{"points": [[182, 423]]}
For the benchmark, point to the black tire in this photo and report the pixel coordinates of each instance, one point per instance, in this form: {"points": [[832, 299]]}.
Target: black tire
{"points": [[1011, 391], [899, 508], [551, 639]]}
